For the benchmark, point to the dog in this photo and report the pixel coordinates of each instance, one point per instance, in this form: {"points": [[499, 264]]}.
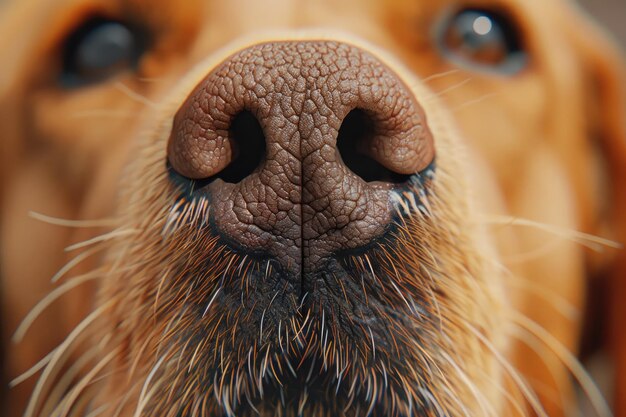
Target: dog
{"points": [[363, 208]]}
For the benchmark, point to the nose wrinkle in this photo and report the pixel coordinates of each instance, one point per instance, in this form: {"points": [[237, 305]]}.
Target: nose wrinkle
{"points": [[302, 204]]}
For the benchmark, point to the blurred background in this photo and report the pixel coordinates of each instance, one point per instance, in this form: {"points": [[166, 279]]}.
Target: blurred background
{"points": [[611, 14]]}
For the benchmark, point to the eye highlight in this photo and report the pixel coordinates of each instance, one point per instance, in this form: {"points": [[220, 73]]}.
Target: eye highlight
{"points": [[99, 49], [484, 40]]}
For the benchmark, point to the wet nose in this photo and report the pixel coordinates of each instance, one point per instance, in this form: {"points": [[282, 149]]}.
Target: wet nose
{"points": [[297, 147]]}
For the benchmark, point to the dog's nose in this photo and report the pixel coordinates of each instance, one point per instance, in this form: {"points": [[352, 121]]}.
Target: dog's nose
{"points": [[298, 146]]}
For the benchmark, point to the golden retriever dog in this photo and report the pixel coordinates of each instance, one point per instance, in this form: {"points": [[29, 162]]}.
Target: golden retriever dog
{"points": [[311, 208]]}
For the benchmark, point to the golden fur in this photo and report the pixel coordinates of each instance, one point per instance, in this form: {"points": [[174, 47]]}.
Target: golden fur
{"points": [[530, 168]]}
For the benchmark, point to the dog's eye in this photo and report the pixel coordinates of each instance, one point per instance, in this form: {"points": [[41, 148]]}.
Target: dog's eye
{"points": [[483, 39], [99, 49]]}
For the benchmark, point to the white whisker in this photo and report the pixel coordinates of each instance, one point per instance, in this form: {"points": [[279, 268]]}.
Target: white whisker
{"points": [[58, 356], [72, 396], [49, 299], [32, 371], [536, 253], [556, 300], [72, 263], [577, 370], [487, 409], [440, 75], [98, 411], [449, 89], [71, 223], [145, 396], [102, 238], [511, 371], [584, 239], [134, 95], [472, 102]]}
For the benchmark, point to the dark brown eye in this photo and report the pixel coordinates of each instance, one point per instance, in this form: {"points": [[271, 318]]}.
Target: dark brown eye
{"points": [[485, 40], [99, 49]]}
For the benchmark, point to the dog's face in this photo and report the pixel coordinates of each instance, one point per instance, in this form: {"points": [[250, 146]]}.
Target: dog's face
{"points": [[305, 208]]}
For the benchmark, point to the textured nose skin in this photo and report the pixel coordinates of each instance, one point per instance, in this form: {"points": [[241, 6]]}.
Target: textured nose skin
{"points": [[302, 203]]}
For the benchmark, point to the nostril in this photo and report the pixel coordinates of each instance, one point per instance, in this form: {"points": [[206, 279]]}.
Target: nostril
{"points": [[354, 143], [248, 143], [234, 155]]}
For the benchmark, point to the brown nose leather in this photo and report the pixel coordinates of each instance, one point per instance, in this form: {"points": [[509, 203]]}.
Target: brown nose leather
{"points": [[303, 201]]}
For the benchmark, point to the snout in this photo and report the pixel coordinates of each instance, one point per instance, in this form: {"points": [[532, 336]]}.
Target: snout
{"points": [[302, 254], [298, 147]]}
